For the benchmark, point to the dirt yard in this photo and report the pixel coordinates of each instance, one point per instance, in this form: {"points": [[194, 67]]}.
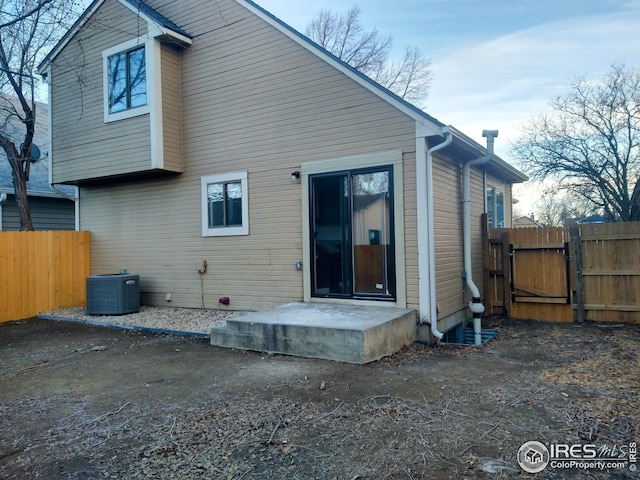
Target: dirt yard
{"points": [[87, 402]]}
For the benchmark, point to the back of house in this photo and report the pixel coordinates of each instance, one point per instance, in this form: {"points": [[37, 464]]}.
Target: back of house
{"points": [[202, 131]]}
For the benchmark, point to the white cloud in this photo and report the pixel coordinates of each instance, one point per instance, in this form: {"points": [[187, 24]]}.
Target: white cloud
{"points": [[511, 78], [504, 82]]}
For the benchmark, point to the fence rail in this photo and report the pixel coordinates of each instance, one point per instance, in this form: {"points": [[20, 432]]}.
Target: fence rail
{"points": [[587, 272], [40, 271]]}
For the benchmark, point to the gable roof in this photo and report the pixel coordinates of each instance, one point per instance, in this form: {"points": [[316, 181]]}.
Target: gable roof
{"points": [[164, 27], [432, 125], [152, 16], [426, 125], [464, 146]]}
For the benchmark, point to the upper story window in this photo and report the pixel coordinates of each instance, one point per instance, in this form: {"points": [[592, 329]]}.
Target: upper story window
{"points": [[495, 207], [225, 205], [127, 80]]}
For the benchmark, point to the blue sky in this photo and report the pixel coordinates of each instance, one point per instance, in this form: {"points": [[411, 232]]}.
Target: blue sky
{"points": [[496, 63]]}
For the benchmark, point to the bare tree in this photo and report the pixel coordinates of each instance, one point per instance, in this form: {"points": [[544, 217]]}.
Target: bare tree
{"points": [[27, 29], [590, 145], [557, 210], [368, 52]]}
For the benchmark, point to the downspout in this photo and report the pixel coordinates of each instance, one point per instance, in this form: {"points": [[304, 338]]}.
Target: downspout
{"points": [[3, 198], [476, 306], [426, 229]]}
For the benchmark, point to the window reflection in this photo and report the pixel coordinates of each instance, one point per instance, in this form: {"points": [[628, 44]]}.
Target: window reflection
{"points": [[127, 80], [495, 207], [225, 204], [371, 232]]}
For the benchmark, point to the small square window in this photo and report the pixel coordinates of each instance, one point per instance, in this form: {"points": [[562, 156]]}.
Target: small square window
{"points": [[225, 206]]}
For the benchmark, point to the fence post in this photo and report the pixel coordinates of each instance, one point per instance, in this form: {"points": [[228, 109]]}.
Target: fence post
{"points": [[506, 269], [577, 262]]}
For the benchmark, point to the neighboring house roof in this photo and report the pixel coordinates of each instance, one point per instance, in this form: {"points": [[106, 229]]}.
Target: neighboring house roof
{"points": [[464, 147], [525, 221], [596, 218], [38, 184]]}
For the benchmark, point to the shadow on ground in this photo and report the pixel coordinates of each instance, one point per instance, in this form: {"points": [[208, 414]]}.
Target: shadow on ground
{"points": [[87, 402]]}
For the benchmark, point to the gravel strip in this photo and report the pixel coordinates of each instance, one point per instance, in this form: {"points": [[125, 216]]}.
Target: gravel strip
{"points": [[191, 320]]}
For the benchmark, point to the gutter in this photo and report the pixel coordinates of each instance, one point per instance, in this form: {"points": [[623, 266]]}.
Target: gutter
{"points": [[476, 306], [426, 230], [73, 198]]}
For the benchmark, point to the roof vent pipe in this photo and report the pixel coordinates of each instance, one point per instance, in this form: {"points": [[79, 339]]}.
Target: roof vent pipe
{"points": [[476, 306]]}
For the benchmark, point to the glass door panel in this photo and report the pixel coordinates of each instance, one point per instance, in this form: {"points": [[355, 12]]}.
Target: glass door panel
{"points": [[331, 235], [371, 233]]}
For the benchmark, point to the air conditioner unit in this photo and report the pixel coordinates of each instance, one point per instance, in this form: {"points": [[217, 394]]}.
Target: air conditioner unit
{"points": [[115, 294]]}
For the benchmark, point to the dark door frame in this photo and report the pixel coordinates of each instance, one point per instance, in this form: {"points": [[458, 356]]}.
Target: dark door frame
{"points": [[346, 225]]}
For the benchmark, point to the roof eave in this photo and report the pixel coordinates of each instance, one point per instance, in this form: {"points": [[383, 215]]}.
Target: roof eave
{"points": [[506, 170], [178, 36]]}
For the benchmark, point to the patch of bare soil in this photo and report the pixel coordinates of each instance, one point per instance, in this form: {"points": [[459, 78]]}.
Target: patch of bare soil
{"points": [[86, 402]]}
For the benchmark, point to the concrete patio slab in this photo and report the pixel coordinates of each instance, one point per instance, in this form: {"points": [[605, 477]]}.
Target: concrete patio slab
{"points": [[347, 333]]}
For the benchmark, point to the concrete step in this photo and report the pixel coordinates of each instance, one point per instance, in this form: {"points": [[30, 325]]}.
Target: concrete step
{"points": [[347, 333]]}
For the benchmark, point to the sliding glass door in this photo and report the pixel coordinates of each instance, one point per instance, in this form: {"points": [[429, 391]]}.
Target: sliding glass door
{"points": [[352, 234]]}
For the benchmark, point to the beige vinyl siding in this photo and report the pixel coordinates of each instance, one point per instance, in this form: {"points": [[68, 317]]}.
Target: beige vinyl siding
{"points": [[242, 98], [410, 230], [451, 293], [477, 191], [83, 145], [252, 100], [171, 109], [447, 189]]}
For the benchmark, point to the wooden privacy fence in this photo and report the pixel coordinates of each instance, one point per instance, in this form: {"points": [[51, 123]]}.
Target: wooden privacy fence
{"points": [[608, 271], [40, 271], [586, 272]]}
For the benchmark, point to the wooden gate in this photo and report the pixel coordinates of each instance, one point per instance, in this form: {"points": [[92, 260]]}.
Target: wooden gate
{"points": [[528, 273], [608, 272], [587, 272]]}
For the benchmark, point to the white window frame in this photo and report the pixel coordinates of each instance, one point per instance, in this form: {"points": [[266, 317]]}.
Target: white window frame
{"points": [[492, 206], [149, 46], [225, 231]]}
